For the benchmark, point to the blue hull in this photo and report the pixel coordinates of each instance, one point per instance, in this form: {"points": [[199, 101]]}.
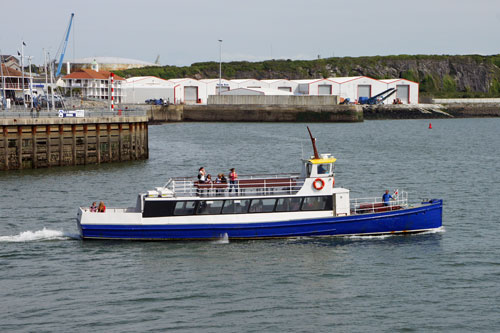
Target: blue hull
{"points": [[422, 218]]}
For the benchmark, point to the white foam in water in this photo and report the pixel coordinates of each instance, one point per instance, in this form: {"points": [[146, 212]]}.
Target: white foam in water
{"points": [[39, 235], [224, 239], [433, 231], [369, 236]]}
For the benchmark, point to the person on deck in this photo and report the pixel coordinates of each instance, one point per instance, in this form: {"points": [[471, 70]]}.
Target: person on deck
{"points": [[233, 180], [93, 208], [201, 174], [101, 208], [386, 198]]}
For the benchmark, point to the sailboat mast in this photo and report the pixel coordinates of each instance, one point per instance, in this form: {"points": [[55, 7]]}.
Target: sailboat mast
{"points": [[51, 66], [31, 83], [46, 79], [22, 71], [3, 82]]}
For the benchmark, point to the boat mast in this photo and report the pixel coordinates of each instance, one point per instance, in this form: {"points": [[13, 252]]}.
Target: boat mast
{"points": [[46, 80], [313, 140], [31, 83], [51, 67], [22, 71], [3, 82]]}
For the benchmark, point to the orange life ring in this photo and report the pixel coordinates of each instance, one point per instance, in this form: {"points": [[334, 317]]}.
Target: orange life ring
{"points": [[321, 184]]}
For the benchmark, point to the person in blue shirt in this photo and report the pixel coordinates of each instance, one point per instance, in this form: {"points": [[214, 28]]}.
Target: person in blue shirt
{"points": [[386, 198]]}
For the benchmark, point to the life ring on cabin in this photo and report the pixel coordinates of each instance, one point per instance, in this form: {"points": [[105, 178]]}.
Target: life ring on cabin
{"points": [[318, 184], [333, 182]]}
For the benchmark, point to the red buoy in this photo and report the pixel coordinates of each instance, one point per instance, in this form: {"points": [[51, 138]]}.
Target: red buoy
{"points": [[430, 125]]}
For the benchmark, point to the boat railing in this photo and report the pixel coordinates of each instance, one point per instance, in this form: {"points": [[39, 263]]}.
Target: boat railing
{"points": [[260, 185], [375, 204], [112, 210]]}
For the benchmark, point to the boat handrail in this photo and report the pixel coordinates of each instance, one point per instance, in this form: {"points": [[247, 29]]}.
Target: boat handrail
{"points": [[241, 177], [112, 210], [374, 204], [261, 185]]}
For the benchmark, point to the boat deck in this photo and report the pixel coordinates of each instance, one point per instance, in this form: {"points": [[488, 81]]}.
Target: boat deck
{"points": [[248, 185]]}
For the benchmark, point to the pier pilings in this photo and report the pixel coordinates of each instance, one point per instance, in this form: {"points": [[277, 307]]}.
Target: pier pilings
{"points": [[27, 143]]}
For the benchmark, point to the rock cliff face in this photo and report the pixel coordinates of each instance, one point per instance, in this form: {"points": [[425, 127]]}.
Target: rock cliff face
{"points": [[438, 75]]}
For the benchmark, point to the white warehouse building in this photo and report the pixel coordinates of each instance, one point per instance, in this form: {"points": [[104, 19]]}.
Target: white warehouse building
{"points": [[191, 91], [357, 86], [213, 85], [406, 90], [283, 85], [141, 88]]}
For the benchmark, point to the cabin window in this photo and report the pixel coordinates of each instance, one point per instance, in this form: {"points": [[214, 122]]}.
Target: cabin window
{"points": [[235, 206], [323, 169], [288, 204], [262, 205], [309, 169], [153, 208], [209, 207], [184, 207], [317, 203]]}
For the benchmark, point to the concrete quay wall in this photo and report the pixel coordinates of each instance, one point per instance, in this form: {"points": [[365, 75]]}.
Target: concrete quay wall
{"points": [[48, 142], [430, 111], [273, 100], [257, 113]]}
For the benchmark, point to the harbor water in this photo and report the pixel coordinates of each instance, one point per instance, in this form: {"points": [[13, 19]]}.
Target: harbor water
{"points": [[50, 281]]}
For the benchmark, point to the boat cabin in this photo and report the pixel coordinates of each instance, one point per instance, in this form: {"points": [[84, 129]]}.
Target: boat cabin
{"points": [[318, 167]]}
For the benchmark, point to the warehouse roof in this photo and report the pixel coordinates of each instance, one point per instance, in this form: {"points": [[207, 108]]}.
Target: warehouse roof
{"points": [[261, 91]]}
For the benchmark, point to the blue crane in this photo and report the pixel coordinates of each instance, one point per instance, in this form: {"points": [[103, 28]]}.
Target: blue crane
{"points": [[64, 46]]}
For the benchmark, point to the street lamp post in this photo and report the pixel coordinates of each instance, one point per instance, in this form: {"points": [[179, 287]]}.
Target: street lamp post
{"points": [[220, 65]]}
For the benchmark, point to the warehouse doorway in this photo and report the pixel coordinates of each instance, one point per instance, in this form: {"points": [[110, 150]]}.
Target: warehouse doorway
{"points": [[364, 90], [190, 95], [403, 93], [325, 89]]}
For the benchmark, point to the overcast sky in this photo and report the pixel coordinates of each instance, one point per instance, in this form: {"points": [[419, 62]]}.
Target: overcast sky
{"points": [[187, 31]]}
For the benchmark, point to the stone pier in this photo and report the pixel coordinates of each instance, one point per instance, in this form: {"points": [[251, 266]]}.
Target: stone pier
{"points": [[47, 142]]}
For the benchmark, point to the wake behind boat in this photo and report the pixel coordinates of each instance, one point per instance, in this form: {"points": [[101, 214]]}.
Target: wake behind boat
{"points": [[259, 207]]}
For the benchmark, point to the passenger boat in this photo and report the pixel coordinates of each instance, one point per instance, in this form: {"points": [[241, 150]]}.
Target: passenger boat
{"points": [[259, 207]]}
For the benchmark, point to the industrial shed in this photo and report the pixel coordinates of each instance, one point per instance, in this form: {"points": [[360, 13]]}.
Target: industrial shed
{"points": [[283, 85], [141, 88], [354, 87], [250, 83], [323, 87], [406, 91], [302, 87], [213, 84], [189, 91]]}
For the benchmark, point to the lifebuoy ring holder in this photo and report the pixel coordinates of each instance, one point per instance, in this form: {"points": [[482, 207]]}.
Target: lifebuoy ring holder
{"points": [[321, 182]]}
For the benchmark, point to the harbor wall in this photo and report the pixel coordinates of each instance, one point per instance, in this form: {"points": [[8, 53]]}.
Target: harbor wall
{"points": [[47, 142], [257, 113], [430, 111], [273, 100]]}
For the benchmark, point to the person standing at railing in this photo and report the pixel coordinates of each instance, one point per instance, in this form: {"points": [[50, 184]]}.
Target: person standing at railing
{"points": [[201, 174], [386, 198], [233, 180]]}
